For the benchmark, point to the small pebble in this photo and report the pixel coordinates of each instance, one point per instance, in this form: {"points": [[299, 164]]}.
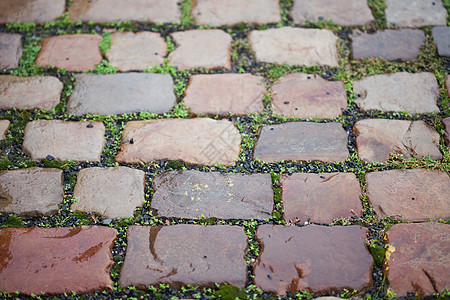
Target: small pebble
{"points": [[90, 126]]}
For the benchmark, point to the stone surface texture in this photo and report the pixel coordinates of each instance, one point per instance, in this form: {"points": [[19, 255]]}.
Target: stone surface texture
{"points": [[195, 141], [415, 13], [111, 192], [414, 93], [314, 258], [418, 260], [441, 36], [410, 195], [341, 12], [376, 138], [305, 197], [26, 11], [31, 192], [446, 123], [191, 194], [10, 50], [184, 254], [308, 96], [121, 93], [447, 84], [4, 126], [73, 52], [403, 44], [220, 94], [34, 92], [295, 46], [77, 141], [303, 141], [232, 12]]}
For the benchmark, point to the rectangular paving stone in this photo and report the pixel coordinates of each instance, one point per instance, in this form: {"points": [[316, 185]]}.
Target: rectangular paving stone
{"points": [[4, 126], [10, 50], [56, 260], [403, 44], [308, 96], [415, 13], [318, 259], [77, 141], [184, 254], [121, 93], [232, 12], [105, 11], [320, 198], [301, 141], [295, 46], [414, 93], [441, 36], [341, 12], [111, 192], [26, 11], [34, 92], [32, 192], [191, 194], [220, 94], [200, 141], [410, 195], [377, 138]]}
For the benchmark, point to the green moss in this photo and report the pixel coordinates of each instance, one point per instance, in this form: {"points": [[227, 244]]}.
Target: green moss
{"points": [[13, 221], [175, 164], [230, 292], [5, 163], [378, 253], [378, 7]]}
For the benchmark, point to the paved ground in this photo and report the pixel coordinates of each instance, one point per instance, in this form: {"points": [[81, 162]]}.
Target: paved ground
{"points": [[164, 148]]}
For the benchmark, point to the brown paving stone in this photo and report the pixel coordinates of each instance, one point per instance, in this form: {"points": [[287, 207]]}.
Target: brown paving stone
{"points": [[73, 52], [341, 12], [56, 260], [389, 44], [121, 93], [325, 142], [185, 254], [441, 36], [4, 126], [219, 94], [304, 196], [209, 49], [447, 84], [77, 141], [25, 11], [418, 259], [191, 194], [31, 192], [446, 123], [200, 141], [414, 93], [295, 46], [232, 12], [308, 96], [104, 11], [318, 259], [111, 192], [10, 50], [136, 51], [415, 13], [376, 138], [35, 92], [411, 195]]}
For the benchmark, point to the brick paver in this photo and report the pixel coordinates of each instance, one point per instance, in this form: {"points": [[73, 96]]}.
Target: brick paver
{"points": [[4, 126], [191, 194], [77, 141], [121, 93], [184, 254], [294, 258], [415, 13], [441, 36], [24, 11], [10, 50], [35, 92], [446, 123], [417, 261]]}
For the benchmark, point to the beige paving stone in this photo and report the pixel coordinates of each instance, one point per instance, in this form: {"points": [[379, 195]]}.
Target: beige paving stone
{"points": [[4, 126], [415, 13], [10, 50], [26, 11]]}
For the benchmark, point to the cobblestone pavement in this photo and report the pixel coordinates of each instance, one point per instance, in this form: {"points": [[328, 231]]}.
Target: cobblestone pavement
{"points": [[239, 149]]}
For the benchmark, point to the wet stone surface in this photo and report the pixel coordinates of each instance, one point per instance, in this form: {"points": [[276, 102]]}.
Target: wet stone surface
{"points": [[376, 138], [446, 123], [191, 194], [308, 96], [441, 36], [25, 11], [413, 93], [10, 50], [184, 254], [305, 196], [303, 141], [77, 141], [111, 192], [418, 260], [56, 260], [34, 92], [314, 258], [121, 93], [4, 126], [415, 13], [220, 94], [31, 192], [410, 195]]}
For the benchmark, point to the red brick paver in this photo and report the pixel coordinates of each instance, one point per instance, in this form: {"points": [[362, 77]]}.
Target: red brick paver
{"points": [[4, 126], [415, 13], [10, 50], [25, 11]]}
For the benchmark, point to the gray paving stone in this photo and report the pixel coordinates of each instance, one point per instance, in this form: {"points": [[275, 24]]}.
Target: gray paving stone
{"points": [[446, 123], [26, 11], [10, 50], [415, 13], [4, 126], [441, 36]]}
